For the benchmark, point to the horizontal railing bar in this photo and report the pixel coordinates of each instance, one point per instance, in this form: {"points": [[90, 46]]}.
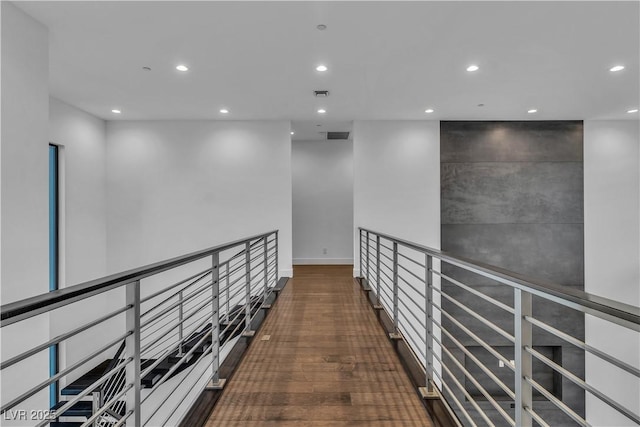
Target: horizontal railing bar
{"points": [[614, 311], [166, 376], [69, 403], [123, 420], [387, 276], [61, 374], [29, 307], [176, 304], [388, 267], [202, 274], [185, 298], [478, 317], [230, 322], [536, 417], [207, 366], [411, 259], [420, 279], [403, 304], [60, 338], [467, 374], [382, 245], [420, 295], [418, 345], [175, 309], [235, 267], [259, 256], [481, 365], [239, 290], [184, 377], [171, 349], [386, 291], [582, 384], [473, 291], [106, 406], [455, 400], [468, 396], [559, 404], [173, 326], [476, 338], [584, 346], [387, 257]]}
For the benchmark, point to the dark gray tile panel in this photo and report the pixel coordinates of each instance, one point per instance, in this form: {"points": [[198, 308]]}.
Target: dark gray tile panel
{"points": [[528, 141], [549, 252], [496, 193]]}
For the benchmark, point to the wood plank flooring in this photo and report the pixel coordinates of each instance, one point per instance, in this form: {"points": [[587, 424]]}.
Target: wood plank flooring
{"points": [[326, 362]]}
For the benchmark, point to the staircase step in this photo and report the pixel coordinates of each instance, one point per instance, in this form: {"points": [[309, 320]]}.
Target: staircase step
{"points": [[83, 408], [86, 380]]}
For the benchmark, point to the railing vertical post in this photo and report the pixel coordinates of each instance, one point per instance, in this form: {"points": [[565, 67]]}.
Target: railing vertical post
{"points": [[132, 350], [265, 267], [216, 382], [247, 277], [395, 287], [360, 251], [367, 258], [226, 315], [180, 325], [428, 334], [378, 270], [275, 283], [523, 368]]}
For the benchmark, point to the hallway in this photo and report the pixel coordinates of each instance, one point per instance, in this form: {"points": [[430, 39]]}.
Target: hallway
{"points": [[320, 359]]}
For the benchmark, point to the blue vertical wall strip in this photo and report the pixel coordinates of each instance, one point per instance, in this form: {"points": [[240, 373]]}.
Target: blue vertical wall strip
{"points": [[53, 259]]}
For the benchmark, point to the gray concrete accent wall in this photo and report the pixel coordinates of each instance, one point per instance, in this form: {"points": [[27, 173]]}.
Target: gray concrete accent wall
{"points": [[512, 196]]}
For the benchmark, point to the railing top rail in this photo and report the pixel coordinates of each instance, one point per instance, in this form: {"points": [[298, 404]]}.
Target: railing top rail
{"points": [[28, 307], [618, 312]]}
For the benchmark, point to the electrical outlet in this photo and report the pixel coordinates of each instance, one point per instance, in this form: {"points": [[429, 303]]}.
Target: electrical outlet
{"points": [[324, 251]]}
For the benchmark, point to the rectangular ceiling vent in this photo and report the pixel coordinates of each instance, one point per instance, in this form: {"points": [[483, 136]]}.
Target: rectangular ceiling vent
{"points": [[337, 135], [321, 93]]}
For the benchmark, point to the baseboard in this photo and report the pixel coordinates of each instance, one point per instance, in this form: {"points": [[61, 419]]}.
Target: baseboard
{"points": [[322, 261], [356, 272]]}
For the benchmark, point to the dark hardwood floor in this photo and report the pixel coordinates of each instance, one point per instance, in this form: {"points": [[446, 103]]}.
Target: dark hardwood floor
{"points": [[320, 359]]}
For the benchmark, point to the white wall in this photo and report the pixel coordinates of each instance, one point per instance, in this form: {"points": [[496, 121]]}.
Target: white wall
{"points": [[83, 229], [83, 191], [24, 182], [612, 258], [397, 192], [181, 186], [322, 174], [397, 180]]}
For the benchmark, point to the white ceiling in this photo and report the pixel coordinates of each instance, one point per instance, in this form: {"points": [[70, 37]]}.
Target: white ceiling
{"points": [[387, 60]]}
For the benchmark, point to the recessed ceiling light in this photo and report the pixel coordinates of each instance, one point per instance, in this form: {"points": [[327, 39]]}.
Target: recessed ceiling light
{"points": [[429, 110], [146, 68], [635, 110], [293, 133], [224, 111], [473, 68], [321, 68], [321, 27], [116, 111], [182, 68], [322, 111], [531, 111], [617, 68]]}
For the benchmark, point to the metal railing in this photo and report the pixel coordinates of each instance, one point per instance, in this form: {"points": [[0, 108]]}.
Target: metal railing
{"points": [[460, 317], [162, 330]]}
